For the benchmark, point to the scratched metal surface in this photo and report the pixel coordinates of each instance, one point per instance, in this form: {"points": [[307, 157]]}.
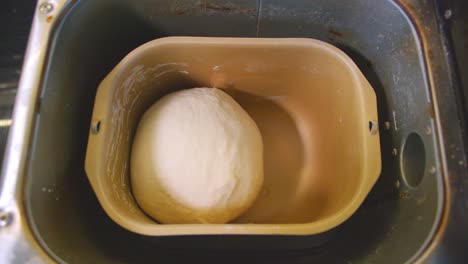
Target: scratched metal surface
{"points": [[453, 23], [15, 21]]}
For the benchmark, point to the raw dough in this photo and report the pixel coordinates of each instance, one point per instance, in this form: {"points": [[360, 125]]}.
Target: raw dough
{"points": [[197, 157]]}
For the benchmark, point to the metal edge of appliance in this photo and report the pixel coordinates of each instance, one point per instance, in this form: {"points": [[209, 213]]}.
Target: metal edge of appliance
{"points": [[18, 242], [449, 116]]}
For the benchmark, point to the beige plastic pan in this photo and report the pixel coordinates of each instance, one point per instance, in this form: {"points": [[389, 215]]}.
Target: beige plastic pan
{"points": [[316, 112]]}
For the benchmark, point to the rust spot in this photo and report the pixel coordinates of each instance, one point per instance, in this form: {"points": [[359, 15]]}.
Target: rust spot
{"points": [[335, 33], [218, 7], [430, 110], [407, 5], [179, 12], [225, 8], [430, 54], [416, 17], [404, 195], [49, 19], [247, 11]]}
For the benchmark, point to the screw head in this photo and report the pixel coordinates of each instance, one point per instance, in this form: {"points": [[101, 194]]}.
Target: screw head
{"points": [[448, 14], [46, 7], [5, 218], [428, 130]]}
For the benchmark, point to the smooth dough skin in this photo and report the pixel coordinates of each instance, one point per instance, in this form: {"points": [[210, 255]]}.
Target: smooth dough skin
{"points": [[197, 157]]}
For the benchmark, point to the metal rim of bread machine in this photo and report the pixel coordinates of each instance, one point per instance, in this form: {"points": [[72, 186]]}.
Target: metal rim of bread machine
{"points": [[49, 212]]}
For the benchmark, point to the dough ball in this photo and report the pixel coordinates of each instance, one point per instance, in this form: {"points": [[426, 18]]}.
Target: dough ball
{"points": [[197, 157]]}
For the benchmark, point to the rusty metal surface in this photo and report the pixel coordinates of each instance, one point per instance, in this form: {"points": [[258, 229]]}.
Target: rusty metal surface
{"points": [[451, 242]]}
